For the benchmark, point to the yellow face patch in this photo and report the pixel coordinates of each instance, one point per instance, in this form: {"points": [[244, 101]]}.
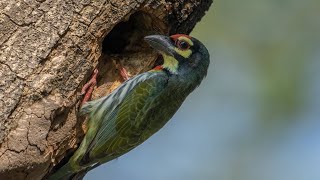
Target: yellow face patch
{"points": [[183, 53], [170, 63], [182, 38]]}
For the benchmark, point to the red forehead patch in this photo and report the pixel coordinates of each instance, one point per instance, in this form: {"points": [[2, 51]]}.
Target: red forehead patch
{"points": [[176, 36]]}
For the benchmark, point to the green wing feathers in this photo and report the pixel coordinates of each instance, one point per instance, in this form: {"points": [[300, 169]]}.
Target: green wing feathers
{"points": [[118, 117], [131, 113]]}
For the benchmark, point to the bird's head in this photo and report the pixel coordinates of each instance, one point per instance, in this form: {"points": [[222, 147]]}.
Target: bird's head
{"points": [[182, 54]]}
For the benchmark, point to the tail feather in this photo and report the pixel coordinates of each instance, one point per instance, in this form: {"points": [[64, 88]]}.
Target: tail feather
{"points": [[64, 173], [80, 175]]}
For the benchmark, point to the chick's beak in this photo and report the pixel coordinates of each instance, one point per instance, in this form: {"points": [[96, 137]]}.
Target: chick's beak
{"points": [[160, 43]]}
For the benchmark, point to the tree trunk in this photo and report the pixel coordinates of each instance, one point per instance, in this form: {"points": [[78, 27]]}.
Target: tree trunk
{"points": [[48, 50]]}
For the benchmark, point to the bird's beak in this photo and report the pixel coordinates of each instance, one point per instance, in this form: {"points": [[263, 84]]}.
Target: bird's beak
{"points": [[160, 43]]}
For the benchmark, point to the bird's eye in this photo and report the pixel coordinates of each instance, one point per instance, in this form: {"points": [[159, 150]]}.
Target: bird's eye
{"points": [[183, 45]]}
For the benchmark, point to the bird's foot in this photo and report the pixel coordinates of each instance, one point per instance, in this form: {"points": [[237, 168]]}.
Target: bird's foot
{"points": [[123, 73], [89, 86]]}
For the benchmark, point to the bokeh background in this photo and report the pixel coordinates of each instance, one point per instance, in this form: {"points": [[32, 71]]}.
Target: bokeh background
{"points": [[257, 114]]}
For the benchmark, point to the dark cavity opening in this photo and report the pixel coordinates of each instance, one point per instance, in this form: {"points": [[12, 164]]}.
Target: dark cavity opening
{"points": [[117, 39], [127, 36]]}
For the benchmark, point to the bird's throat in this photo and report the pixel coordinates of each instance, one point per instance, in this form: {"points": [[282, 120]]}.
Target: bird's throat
{"points": [[170, 63]]}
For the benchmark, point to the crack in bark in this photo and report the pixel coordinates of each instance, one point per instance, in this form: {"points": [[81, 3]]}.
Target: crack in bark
{"points": [[17, 24], [4, 150], [8, 67], [14, 108], [30, 144]]}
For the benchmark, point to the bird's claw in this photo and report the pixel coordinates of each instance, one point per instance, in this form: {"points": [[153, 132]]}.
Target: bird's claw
{"points": [[89, 86], [124, 73]]}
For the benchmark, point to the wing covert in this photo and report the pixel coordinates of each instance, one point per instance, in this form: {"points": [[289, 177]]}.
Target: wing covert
{"points": [[124, 106]]}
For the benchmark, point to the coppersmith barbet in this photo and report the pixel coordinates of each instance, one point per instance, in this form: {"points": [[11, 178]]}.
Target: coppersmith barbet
{"points": [[141, 106]]}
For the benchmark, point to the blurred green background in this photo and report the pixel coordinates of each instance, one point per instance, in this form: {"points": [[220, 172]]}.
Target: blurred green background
{"points": [[257, 114]]}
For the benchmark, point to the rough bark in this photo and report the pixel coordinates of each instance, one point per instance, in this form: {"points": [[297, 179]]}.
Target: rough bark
{"points": [[48, 50]]}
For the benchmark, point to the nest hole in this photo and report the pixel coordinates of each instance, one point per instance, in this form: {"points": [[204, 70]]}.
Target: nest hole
{"points": [[127, 36], [124, 47]]}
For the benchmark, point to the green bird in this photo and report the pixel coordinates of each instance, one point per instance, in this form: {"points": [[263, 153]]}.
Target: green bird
{"points": [[141, 106]]}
